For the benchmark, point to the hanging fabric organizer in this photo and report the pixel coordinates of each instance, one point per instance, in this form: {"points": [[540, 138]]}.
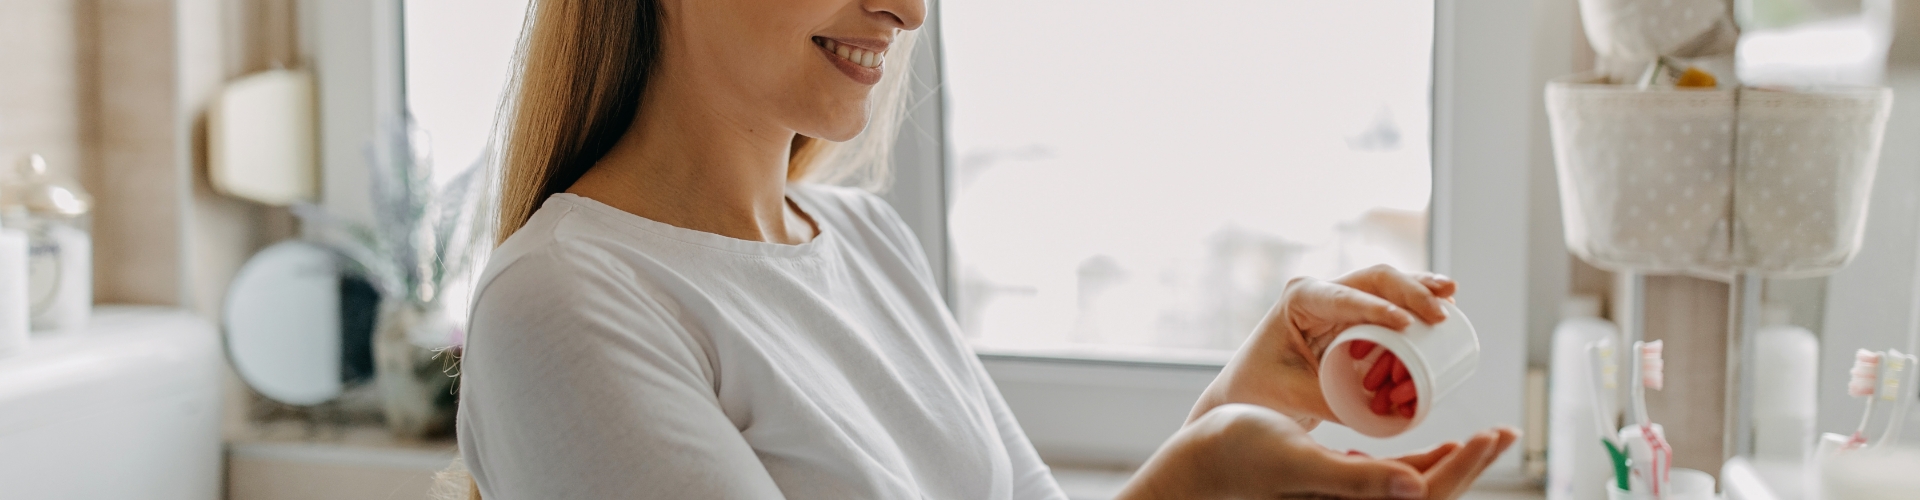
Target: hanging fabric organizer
{"points": [[1713, 183]]}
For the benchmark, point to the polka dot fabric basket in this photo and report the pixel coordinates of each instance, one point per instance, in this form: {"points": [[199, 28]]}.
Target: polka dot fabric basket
{"points": [[1655, 181]]}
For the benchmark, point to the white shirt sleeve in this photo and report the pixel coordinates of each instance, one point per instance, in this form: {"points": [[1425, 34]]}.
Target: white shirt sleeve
{"points": [[1032, 479], [547, 340]]}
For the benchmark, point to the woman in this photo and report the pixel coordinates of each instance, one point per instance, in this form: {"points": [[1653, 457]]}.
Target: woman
{"points": [[677, 312]]}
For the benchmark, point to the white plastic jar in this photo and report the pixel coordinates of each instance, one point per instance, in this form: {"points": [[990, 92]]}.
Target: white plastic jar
{"points": [[1438, 357]]}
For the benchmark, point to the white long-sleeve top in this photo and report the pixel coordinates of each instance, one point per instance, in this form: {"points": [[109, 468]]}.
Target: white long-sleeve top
{"points": [[612, 356]]}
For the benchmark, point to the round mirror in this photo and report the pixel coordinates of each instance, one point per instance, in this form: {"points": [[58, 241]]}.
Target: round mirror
{"points": [[298, 329]]}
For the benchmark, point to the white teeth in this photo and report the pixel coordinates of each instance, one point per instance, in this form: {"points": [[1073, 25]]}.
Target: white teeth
{"points": [[864, 58]]}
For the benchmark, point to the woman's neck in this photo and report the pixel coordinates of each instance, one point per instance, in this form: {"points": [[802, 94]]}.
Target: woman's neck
{"points": [[689, 164]]}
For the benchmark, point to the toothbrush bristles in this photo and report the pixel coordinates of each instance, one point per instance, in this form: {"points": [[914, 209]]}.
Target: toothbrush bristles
{"points": [[1866, 371], [1652, 367]]}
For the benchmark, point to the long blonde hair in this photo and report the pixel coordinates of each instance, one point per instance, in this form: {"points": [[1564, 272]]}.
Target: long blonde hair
{"points": [[579, 73]]}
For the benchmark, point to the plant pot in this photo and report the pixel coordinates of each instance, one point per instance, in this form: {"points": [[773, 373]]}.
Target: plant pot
{"points": [[411, 370]]}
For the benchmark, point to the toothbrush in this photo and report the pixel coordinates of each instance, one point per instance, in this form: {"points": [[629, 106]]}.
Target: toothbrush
{"points": [[1646, 442], [1606, 389], [1896, 386], [1861, 384], [1878, 376]]}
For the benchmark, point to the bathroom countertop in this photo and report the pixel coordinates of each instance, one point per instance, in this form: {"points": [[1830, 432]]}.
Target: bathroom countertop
{"points": [[373, 456], [348, 445], [290, 461]]}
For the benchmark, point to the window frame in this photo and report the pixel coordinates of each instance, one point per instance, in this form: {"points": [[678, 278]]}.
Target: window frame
{"points": [[1116, 413], [355, 49]]}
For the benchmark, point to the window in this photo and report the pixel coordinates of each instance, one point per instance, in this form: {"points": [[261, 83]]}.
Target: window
{"points": [[1139, 179], [1087, 103], [463, 51]]}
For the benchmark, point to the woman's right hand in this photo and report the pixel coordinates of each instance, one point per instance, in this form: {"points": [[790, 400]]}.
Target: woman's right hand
{"points": [[1248, 451]]}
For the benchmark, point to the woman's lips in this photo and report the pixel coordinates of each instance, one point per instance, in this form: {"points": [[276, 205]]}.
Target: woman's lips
{"points": [[861, 64]]}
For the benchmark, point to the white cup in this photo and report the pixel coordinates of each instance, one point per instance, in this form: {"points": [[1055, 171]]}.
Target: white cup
{"points": [[1438, 358], [1684, 484]]}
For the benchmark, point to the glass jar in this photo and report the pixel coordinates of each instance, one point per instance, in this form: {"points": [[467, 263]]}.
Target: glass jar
{"points": [[55, 214]]}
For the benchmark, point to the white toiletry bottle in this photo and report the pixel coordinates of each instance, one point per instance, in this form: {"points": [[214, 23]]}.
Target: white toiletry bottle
{"points": [[1578, 466], [54, 214], [1786, 362], [14, 320]]}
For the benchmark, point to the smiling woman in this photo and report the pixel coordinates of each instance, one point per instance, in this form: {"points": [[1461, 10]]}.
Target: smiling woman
{"points": [[682, 307]]}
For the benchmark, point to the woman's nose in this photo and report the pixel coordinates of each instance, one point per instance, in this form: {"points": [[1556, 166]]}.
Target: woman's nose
{"points": [[906, 14]]}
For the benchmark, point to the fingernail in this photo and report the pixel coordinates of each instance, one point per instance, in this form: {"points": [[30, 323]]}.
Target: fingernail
{"points": [[1404, 487]]}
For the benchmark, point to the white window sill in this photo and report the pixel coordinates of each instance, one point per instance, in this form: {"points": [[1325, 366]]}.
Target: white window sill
{"points": [[1100, 484]]}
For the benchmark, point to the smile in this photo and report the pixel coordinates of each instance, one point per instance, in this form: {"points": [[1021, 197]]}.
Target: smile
{"points": [[858, 56]]}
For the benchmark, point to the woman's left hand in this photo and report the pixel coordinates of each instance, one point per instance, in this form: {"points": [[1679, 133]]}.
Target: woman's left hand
{"points": [[1279, 365]]}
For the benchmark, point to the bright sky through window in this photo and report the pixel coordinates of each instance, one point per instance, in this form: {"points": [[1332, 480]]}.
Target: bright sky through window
{"points": [[1140, 178], [459, 55]]}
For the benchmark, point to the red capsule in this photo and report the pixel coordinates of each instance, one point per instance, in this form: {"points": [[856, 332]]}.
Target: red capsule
{"points": [[1380, 374], [1400, 373], [1406, 410], [1380, 404], [1359, 348], [1403, 393]]}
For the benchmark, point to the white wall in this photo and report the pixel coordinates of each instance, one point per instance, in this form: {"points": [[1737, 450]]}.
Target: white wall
{"points": [[1872, 302]]}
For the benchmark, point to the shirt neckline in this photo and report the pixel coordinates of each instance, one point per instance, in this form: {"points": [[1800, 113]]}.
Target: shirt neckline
{"points": [[824, 229]]}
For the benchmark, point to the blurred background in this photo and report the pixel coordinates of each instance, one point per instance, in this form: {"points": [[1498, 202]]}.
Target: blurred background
{"points": [[251, 226]]}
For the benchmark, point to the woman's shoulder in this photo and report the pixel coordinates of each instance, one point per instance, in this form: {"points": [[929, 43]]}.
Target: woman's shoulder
{"points": [[555, 259]]}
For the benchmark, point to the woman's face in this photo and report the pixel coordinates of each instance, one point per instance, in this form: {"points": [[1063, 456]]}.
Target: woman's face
{"points": [[802, 65]]}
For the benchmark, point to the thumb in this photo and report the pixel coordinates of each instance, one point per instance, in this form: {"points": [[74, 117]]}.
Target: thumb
{"points": [[1359, 477]]}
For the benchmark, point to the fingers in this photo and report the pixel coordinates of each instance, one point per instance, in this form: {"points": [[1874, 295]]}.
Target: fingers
{"points": [[1425, 460], [1328, 303], [1351, 476], [1441, 286], [1455, 473], [1415, 293], [1508, 436], [1447, 478]]}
